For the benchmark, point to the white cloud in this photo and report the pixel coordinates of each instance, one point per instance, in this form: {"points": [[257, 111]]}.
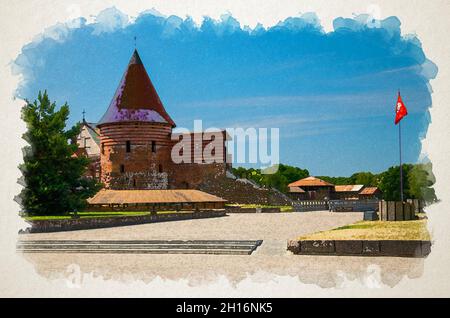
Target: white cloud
{"points": [[109, 20]]}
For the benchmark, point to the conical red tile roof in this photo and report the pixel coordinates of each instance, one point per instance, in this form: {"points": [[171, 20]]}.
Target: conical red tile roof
{"points": [[136, 98]]}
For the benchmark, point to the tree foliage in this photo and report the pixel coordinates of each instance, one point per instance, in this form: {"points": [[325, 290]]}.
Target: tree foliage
{"points": [[417, 180], [54, 182], [278, 180], [421, 180], [366, 178], [390, 182]]}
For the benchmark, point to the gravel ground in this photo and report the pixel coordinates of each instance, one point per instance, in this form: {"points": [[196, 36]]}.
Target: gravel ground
{"points": [[273, 229], [243, 226]]}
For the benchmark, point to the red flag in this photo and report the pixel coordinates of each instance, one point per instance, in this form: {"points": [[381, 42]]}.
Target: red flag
{"points": [[400, 109]]}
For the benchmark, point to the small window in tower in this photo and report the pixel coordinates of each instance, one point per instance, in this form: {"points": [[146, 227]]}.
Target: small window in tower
{"points": [[134, 183], [128, 146], [122, 168], [160, 168], [153, 146], [103, 148]]}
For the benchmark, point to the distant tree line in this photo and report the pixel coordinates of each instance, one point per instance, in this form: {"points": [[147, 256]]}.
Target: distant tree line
{"points": [[279, 180], [417, 180]]}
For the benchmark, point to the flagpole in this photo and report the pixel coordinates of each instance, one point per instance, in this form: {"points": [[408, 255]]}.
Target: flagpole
{"points": [[400, 153]]}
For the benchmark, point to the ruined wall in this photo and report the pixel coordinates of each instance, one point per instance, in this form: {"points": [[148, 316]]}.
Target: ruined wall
{"points": [[192, 176], [242, 191], [203, 164]]}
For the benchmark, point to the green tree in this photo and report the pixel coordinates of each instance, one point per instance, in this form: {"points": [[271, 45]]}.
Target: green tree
{"points": [[54, 182], [420, 180], [284, 175], [292, 173], [389, 182], [276, 180], [336, 180], [366, 178]]}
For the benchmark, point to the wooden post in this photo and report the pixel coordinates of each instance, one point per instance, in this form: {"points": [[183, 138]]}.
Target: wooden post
{"points": [[383, 210], [407, 211], [399, 216], [391, 211]]}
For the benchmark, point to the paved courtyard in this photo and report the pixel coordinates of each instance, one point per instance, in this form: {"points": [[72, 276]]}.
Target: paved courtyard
{"points": [[271, 256]]}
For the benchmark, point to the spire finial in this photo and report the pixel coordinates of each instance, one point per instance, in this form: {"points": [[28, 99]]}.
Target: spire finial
{"points": [[84, 112], [135, 42]]}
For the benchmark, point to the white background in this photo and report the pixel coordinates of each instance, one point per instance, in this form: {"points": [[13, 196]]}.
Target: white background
{"points": [[21, 21]]}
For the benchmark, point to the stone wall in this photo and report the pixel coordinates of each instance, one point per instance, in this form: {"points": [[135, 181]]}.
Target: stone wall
{"points": [[252, 210], [193, 175], [103, 222], [243, 191], [395, 248]]}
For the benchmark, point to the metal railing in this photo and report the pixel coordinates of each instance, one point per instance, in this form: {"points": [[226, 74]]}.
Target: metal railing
{"points": [[310, 205]]}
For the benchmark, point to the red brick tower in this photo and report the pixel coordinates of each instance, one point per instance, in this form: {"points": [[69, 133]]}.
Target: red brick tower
{"points": [[135, 134]]}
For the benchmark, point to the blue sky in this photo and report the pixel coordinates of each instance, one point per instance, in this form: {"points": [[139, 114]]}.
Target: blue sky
{"points": [[332, 95]]}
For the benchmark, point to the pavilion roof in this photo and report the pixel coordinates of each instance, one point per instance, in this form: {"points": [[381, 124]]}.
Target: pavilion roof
{"points": [[369, 190], [348, 188], [153, 197], [310, 182], [296, 190]]}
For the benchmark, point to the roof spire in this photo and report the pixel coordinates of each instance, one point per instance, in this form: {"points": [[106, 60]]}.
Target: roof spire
{"points": [[83, 112], [135, 58], [136, 98]]}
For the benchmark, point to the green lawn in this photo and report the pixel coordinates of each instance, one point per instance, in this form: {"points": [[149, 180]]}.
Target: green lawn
{"points": [[85, 215], [375, 230], [283, 208]]}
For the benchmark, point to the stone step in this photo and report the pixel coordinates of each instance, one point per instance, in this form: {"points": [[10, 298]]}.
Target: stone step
{"points": [[145, 251], [140, 242], [143, 247], [119, 246]]}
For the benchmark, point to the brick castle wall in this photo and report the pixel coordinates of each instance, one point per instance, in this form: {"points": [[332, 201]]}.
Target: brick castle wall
{"points": [[142, 164], [146, 163], [138, 156]]}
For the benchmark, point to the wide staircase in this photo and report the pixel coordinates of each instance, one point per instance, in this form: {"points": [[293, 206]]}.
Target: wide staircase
{"points": [[223, 247]]}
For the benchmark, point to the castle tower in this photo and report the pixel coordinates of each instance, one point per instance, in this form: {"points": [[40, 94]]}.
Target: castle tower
{"points": [[135, 134]]}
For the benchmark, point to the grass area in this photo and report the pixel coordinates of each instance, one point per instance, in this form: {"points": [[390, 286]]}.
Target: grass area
{"points": [[376, 230], [86, 215], [283, 208]]}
